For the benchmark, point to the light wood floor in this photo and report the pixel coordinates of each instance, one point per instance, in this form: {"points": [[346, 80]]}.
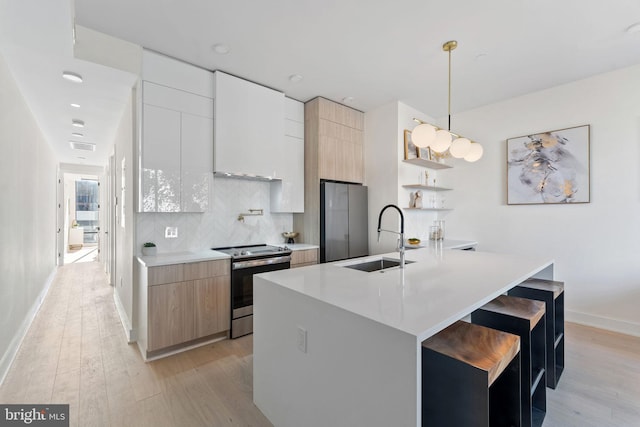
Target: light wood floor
{"points": [[75, 352]]}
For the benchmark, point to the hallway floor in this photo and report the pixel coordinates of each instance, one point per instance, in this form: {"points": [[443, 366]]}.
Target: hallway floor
{"points": [[84, 254], [75, 352]]}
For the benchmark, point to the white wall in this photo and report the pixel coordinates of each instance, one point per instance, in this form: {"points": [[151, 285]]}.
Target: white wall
{"points": [[595, 245], [125, 228], [380, 136], [218, 226], [27, 217], [384, 142]]}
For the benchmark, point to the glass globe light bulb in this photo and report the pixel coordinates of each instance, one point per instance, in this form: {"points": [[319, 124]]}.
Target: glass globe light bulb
{"points": [[442, 142], [423, 135], [460, 147], [475, 152]]}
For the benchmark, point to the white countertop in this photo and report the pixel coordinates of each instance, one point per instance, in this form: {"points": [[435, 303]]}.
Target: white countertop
{"points": [[299, 246], [442, 286], [444, 244], [181, 258], [205, 255]]}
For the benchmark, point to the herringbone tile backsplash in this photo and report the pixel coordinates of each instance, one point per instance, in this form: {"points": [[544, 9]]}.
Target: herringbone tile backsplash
{"points": [[219, 225]]}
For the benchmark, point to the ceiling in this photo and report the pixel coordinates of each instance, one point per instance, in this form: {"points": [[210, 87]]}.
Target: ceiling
{"points": [[374, 52]]}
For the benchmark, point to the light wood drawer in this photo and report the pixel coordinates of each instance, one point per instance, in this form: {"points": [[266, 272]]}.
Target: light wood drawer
{"points": [[307, 257], [165, 274], [205, 269]]}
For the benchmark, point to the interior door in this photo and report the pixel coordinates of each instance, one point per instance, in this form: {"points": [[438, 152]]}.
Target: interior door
{"points": [[60, 228], [112, 206]]}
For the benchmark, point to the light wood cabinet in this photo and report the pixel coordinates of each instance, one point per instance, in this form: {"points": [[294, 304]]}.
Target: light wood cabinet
{"points": [[187, 302], [165, 274], [304, 257], [212, 305], [333, 150], [170, 315], [340, 147]]}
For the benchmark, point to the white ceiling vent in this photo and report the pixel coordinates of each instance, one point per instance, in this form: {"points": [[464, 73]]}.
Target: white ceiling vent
{"points": [[87, 146]]}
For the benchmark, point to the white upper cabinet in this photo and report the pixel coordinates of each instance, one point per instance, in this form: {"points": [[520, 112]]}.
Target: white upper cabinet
{"points": [[160, 159], [177, 136], [248, 128], [170, 72], [196, 162], [287, 195]]}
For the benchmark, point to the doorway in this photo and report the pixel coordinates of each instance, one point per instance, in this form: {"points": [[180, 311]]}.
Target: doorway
{"points": [[81, 206]]}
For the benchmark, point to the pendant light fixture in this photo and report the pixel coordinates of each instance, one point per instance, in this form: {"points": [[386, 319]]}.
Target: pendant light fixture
{"points": [[441, 141]]}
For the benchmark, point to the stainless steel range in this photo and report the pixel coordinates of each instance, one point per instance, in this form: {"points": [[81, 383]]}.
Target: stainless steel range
{"points": [[245, 262]]}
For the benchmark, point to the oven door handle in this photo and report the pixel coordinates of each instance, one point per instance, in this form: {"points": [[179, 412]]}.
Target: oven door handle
{"points": [[259, 262]]}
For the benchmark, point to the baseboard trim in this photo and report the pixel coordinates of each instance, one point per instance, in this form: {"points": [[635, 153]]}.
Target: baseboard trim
{"points": [[124, 319], [601, 322], [9, 356]]}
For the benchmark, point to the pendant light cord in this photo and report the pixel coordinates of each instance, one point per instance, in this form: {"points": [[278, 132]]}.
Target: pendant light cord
{"points": [[449, 104]]}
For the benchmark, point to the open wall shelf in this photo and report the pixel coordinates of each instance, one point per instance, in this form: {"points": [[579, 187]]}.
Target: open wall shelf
{"points": [[429, 209], [427, 163], [426, 187]]}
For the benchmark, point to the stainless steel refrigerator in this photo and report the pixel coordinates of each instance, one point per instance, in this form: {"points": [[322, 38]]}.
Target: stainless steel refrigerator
{"points": [[344, 221]]}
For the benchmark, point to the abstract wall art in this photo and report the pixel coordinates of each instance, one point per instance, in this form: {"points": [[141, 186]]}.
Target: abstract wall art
{"points": [[549, 167]]}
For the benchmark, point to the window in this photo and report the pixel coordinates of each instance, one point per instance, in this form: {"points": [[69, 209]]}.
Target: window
{"points": [[87, 206]]}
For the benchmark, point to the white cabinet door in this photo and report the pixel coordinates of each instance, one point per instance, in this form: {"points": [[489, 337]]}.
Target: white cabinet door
{"points": [[197, 162], [248, 127], [160, 159], [288, 195], [172, 73]]}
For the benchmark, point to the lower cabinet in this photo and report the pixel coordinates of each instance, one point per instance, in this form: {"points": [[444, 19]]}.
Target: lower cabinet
{"points": [[212, 306], [171, 318], [304, 257], [191, 307]]}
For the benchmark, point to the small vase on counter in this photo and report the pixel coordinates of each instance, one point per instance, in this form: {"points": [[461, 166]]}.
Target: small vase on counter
{"points": [[149, 249]]}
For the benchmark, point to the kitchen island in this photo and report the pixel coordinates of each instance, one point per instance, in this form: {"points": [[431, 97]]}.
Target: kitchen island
{"points": [[342, 347]]}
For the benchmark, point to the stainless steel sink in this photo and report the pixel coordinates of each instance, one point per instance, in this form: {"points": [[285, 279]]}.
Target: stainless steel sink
{"points": [[376, 264]]}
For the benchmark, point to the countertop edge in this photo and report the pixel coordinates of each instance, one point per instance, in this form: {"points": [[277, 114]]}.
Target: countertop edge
{"points": [[180, 258], [420, 327]]}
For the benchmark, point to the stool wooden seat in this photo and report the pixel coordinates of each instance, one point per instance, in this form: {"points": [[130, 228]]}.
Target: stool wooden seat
{"points": [[552, 293], [525, 318], [471, 377]]}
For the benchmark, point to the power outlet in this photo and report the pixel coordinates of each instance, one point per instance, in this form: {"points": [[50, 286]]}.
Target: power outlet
{"points": [[302, 339], [171, 232]]}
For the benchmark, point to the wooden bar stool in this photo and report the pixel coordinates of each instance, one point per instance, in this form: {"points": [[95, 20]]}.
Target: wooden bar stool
{"points": [[471, 377], [552, 293], [525, 318]]}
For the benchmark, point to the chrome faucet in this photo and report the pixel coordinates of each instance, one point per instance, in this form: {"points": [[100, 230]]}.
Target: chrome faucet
{"points": [[401, 233]]}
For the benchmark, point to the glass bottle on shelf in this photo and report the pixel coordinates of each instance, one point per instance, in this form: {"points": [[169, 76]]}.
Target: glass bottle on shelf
{"points": [[439, 225]]}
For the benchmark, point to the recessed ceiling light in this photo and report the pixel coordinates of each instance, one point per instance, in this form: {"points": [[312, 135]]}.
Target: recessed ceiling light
{"points": [[221, 49], [635, 28], [295, 78], [77, 123], [77, 135], [72, 77], [75, 105], [348, 99]]}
